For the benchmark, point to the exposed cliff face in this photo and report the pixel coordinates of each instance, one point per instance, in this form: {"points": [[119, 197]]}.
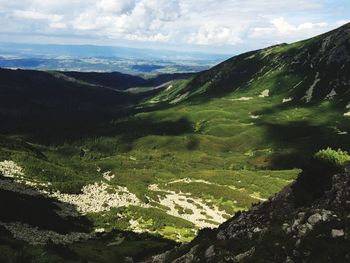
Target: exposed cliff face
{"points": [[279, 230]]}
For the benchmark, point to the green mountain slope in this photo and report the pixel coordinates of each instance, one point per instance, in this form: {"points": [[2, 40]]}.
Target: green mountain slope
{"points": [[289, 70], [55, 105], [183, 157]]}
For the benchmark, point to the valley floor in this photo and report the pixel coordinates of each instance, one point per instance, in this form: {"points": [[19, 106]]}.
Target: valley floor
{"points": [[168, 170]]}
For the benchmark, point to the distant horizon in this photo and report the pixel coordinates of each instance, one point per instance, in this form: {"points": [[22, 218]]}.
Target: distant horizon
{"points": [[98, 58], [165, 49]]}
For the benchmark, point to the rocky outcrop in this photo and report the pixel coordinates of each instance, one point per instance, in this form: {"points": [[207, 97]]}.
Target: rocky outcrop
{"points": [[279, 230]]}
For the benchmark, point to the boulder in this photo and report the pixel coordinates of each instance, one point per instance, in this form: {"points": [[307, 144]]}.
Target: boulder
{"points": [[337, 233], [314, 219]]}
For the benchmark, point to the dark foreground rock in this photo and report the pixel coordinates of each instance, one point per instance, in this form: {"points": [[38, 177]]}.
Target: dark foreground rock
{"points": [[279, 230]]}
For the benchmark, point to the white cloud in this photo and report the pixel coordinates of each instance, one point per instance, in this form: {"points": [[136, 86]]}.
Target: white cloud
{"points": [[145, 20], [285, 28], [54, 21], [90, 20], [153, 38], [58, 25], [114, 6], [214, 34], [280, 28], [27, 14], [342, 22], [234, 24]]}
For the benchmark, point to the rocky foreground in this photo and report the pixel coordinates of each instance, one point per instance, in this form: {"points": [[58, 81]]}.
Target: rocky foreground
{"points": [[280, 230]]}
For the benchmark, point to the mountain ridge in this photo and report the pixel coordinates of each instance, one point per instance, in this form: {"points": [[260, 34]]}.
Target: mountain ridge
{"points": [[299, 58]]}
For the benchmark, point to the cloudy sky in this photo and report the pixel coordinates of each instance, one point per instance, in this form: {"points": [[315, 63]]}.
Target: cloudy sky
{"points": [[227, 26]]}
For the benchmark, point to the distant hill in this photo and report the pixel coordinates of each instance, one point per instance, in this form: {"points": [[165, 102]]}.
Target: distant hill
{"points": [[89, 58], [61, 102], [52, 50], [120, 81]]}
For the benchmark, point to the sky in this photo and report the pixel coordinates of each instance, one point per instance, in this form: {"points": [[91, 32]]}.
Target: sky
{"points": [[220, 26]]}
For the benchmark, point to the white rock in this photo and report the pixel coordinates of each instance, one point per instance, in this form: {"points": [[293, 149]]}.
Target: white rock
{"points": [[287, 100], [264, 94], [200, 210], [289, 260], [342, 133], [256, 230], [180, 98], [285, 226], [331, 94], [337, 233], [10, 169], [310, 91], [97, 198], [326, 215], [304, 229], [314, 219], [209, 252], [108, 176], [243, 99]]}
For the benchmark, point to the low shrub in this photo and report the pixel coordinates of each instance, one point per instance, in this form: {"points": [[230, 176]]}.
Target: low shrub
{"points": [[316, 177], [332, 158], [73, 187]]}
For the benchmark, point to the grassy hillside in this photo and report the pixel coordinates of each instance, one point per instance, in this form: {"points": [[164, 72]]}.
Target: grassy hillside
{"points": [[287, 69], [190, 155]]}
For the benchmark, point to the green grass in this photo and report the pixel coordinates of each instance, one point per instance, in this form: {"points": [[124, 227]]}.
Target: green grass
{"points": [[332, 157], [214, 137], [216, 141], [152, 220]]}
